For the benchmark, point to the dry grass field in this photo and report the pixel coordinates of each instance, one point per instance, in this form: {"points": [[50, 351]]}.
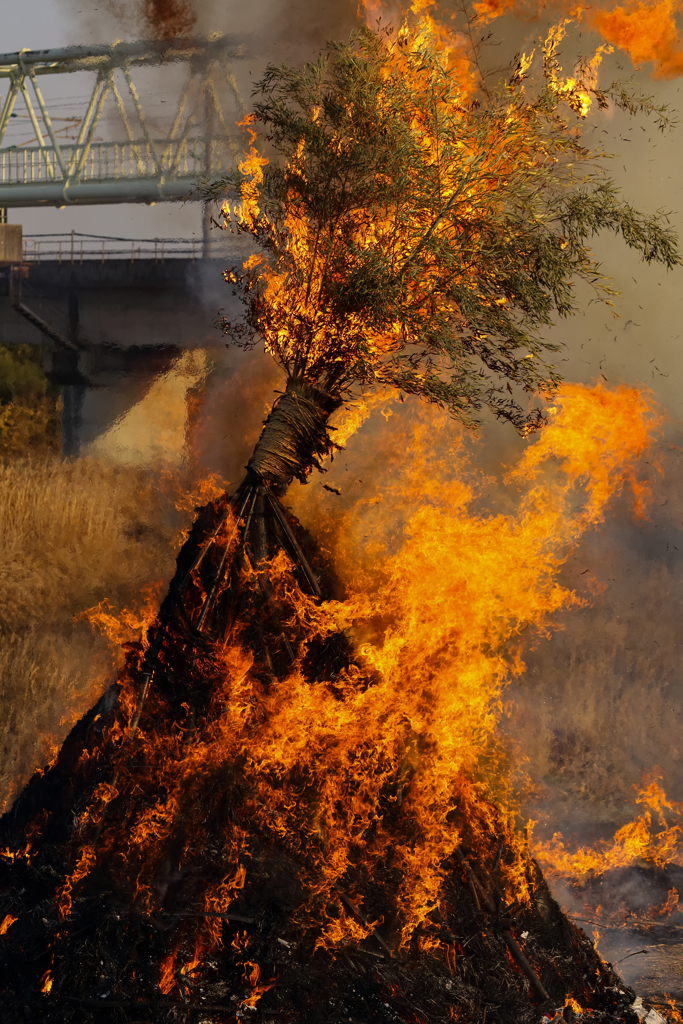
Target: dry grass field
{"points": [[600, 706], [73, 533], [76, 533]]}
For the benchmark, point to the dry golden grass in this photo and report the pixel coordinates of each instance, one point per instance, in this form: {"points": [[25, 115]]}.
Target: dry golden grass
{"points": [[73, 533], [599, 707], [48, 678]]}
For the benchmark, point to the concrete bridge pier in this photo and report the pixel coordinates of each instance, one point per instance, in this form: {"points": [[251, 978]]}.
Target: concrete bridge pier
{"points": [[123, 324]]}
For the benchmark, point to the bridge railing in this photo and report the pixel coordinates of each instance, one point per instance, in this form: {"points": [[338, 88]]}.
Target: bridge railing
{"points": [[77, 247], [107, 161]]}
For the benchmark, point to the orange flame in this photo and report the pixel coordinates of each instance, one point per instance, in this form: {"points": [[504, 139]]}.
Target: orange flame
{"points": [[86, 861], [667, 908], [674, 1015], [125, 625], [638, 840], [252, 165], [647, 32], [7, 923], [439, 631], [252, 974], [167, 981], [346, 423]]}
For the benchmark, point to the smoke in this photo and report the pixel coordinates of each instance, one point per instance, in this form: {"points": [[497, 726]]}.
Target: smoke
{"points": [[235, 403], [293, 28], [169, 19], [599, 706]]}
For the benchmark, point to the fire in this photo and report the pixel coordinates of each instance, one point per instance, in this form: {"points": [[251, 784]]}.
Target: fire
{"points": [[7, 923], [591, 450], [252, 975], [167, 981], [11, 855], [352, 419], [667, 908], [208, 487], [655, 836], [674, 1015], [382, 778], [425, 21], [312, 324], [47, 980], [86, 860], [252, 164], [126, 625], [171, 976], [408, 733], [647, 32]]}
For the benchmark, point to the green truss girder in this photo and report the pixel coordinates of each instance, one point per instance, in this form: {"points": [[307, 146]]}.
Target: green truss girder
{"points": [[138, 167]]}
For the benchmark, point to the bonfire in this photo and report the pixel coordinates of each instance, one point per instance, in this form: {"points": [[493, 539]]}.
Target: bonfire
{"points": [[293, 805]]}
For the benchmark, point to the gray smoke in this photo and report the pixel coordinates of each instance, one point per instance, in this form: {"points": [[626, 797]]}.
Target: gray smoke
{"points": [[291, 30]]}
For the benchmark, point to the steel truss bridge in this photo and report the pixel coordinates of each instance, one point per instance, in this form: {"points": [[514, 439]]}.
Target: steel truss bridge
{"points": [[140, 166]]}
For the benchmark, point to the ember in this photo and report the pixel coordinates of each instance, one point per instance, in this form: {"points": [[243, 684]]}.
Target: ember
{"points": [[293, 803]]}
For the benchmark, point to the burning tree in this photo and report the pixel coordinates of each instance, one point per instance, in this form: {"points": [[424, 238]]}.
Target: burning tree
{"points": [[417, 231], [259, 819]]}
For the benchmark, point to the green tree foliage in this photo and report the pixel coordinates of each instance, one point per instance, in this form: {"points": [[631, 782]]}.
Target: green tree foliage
{"points": [[418, 233], [29, 413], [21, 375]]}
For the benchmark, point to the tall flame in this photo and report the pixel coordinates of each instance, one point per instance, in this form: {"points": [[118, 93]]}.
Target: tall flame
{"points": [[412, 743]]}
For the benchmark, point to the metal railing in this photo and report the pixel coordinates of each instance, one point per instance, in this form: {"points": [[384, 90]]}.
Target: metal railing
{"points": [[116, 161], [77, 247]]}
